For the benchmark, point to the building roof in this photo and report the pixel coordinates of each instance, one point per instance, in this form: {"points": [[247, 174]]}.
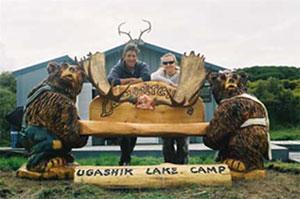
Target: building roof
{"points": [[66, 58], [146, 45], [44, 64]]}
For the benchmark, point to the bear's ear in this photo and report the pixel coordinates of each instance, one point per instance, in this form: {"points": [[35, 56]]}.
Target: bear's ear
{"points": [[52, 67], [212, 77], [243, 78], [64, 65]]}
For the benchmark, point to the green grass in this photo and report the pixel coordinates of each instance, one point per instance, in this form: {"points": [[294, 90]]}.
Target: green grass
{"points": [[286, 134], [110, 160], [4, 142], [11, 163], [283, 166]]}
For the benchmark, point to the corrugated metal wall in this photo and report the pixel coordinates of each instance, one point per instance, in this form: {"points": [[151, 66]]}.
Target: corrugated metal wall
{"points": [[27, 81]]}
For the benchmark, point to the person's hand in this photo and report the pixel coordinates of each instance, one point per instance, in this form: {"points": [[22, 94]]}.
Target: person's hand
{"points": [[145, 102], [131, 80], [135, 80], [126, 80], [174, 85]]}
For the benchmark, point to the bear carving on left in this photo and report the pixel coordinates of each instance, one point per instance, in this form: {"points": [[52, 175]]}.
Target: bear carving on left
{"points": [[51, 124]]}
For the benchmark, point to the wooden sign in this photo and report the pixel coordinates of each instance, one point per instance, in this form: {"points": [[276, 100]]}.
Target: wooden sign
{"points": [[160, 176], [108, 110], [108, 128]]}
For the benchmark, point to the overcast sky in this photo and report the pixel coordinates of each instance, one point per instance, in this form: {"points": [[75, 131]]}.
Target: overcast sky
{"points": [[231, 33]]}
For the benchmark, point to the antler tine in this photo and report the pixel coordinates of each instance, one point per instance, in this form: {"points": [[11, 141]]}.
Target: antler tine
{"points": [[117, 97], [146, 30], [94, 68], [126, 33], [192, 76], [78, 63], [76, 60]]}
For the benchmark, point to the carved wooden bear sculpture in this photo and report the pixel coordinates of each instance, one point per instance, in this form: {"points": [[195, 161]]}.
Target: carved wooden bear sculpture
{"points": [[240, 126], [51, 120]]}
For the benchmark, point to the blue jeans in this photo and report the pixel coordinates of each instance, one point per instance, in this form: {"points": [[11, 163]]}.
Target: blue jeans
{"points": [[14, 139]]}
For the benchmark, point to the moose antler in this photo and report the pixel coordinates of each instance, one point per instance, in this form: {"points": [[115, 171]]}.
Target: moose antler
{"points": [[122, 32], [146, 30], [139, 40], [192, 76], [94, 68]]}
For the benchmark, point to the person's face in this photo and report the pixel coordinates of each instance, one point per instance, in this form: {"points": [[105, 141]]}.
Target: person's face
{"points": [[130, 59], [169, 65]]}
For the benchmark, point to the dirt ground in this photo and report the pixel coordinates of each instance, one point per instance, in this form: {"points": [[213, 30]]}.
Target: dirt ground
{"points": [[275, 185]]}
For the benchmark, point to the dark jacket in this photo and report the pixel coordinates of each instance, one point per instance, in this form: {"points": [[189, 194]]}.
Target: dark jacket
{"points": [[14, 118], [120, 71]]}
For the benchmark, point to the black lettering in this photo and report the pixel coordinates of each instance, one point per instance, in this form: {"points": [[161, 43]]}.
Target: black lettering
{"points": [[221, 169], [89, 172], [121, 172], [148, 171], [193, 169], [156, 171], [114, 172], [211, 169], [201, 169], [174, 170], [80, 172], [106, 172], [128, 171], [98, 172], [161, 171], [166, 170]]}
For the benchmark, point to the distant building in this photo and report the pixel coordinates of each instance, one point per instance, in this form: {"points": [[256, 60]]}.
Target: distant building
{"points": [[30, 76]]}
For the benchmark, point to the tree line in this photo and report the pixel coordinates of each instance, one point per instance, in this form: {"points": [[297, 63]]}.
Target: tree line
{"points": [[279, 89], [265, 72], [7, 103]]}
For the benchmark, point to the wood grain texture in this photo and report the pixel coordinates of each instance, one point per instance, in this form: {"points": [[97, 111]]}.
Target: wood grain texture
{"points": [[109, 128], [107, 110]]}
